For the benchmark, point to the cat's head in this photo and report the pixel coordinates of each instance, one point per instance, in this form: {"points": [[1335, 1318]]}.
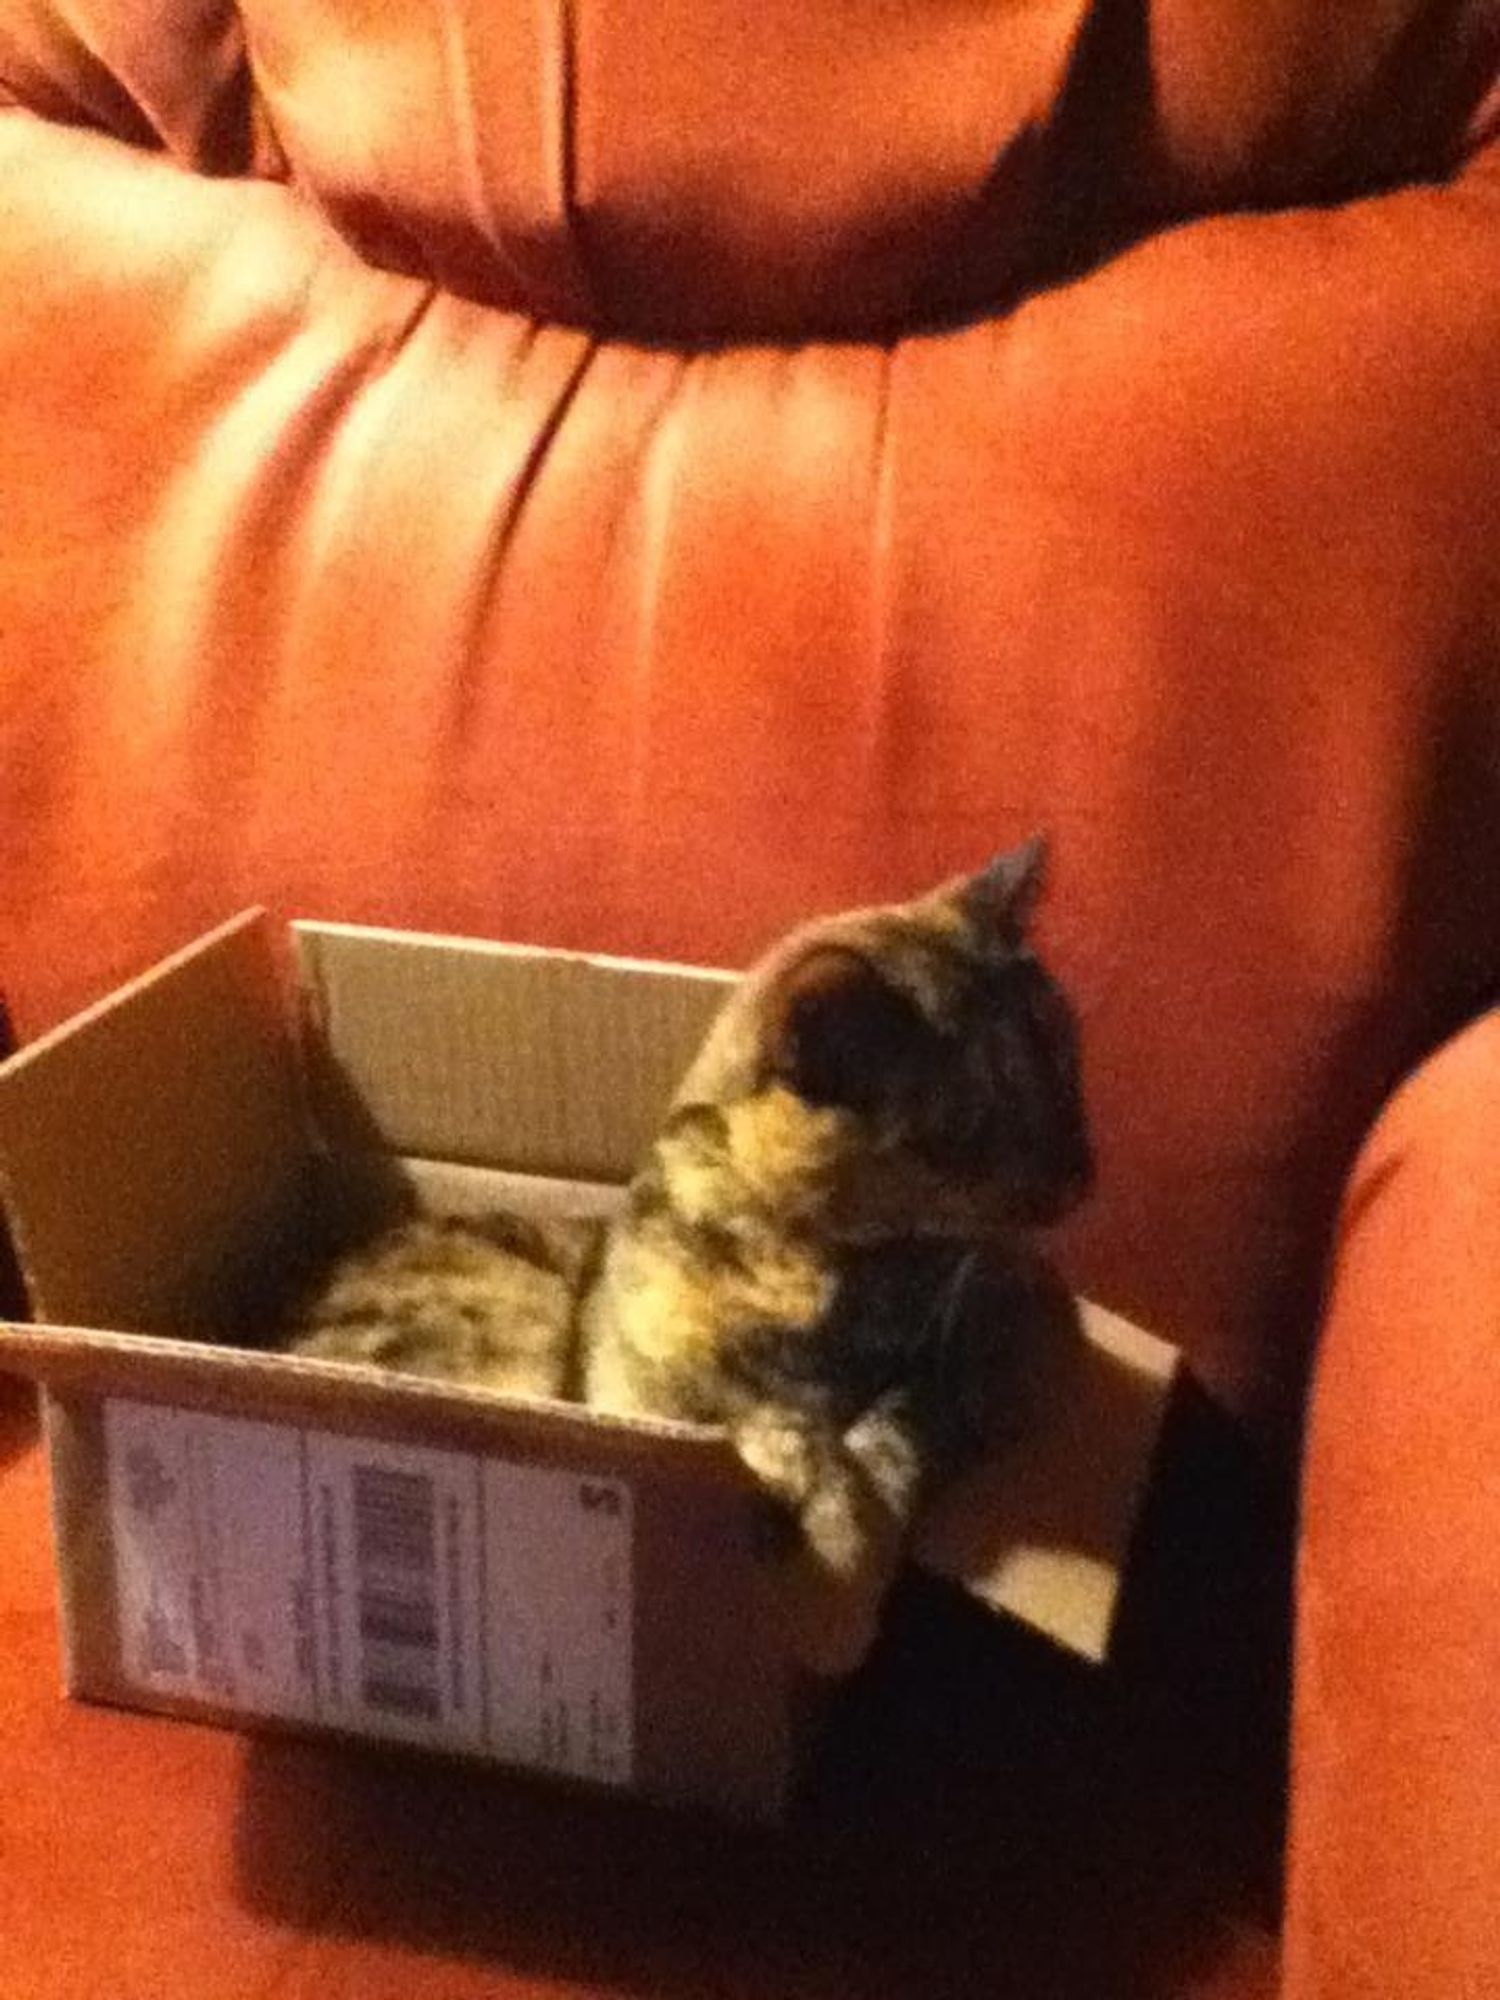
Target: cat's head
{"points": [[925, 1053]]}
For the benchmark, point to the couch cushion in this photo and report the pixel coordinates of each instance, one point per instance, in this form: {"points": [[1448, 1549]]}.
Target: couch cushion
{"points": [[1055, 1843]]}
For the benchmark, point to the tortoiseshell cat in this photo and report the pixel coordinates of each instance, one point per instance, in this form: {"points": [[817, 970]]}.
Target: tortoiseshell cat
{"points": [[828, 1249]]}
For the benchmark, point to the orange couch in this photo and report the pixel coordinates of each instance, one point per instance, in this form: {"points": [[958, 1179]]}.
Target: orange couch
{"points": [[628, 475]]}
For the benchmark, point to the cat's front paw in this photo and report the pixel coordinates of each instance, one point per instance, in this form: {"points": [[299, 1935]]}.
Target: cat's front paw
{"points": [[833, 1542], [886, 1451], [782, 1456], [828, 1625]]}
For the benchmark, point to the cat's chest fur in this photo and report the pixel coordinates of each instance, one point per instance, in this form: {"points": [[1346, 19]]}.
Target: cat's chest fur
{"points": [[668, 1318], [711, 1258]]}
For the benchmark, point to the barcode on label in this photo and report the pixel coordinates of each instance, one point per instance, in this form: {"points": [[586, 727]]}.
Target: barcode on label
{"points": [[396, 1584], [397, 1564]]}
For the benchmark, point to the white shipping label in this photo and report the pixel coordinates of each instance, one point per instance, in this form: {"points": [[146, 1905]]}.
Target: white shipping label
{"points": [[392, 1590], [558, 1610], [211, 1572]]}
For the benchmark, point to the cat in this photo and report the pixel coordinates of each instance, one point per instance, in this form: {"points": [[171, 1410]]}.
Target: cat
{"points": [[829, 1249]]}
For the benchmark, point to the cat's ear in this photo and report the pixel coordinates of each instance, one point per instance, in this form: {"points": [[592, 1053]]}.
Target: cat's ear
{"points": [[1004, 895], [837, 1031]]}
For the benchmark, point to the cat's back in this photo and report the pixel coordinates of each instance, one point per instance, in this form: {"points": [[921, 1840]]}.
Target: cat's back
{"points": [[487, 1301]]}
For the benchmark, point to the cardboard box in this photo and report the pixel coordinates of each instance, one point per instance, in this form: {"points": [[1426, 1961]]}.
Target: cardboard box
{"points": [[247, 1537]]}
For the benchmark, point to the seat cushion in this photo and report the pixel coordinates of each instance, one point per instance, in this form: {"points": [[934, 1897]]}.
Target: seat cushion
{"points": [[977, 1811]]}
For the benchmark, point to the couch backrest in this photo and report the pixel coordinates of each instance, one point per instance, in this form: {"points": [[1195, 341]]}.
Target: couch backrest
{"points": [[688, 169]]}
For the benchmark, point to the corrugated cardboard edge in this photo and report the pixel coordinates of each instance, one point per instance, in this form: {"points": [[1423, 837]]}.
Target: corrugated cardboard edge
{"points": [[337, 1396], [85, 1582]]}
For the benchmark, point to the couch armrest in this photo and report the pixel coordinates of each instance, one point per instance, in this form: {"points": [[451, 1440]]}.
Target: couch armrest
{"points": [[1395, 1831]]}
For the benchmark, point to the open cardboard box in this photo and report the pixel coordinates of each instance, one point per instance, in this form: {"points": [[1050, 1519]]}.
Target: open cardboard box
{"points": [[252, 1538]]}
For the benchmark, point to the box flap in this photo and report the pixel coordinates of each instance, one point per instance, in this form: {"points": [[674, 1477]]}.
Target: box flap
{"points": [[1043, 1530], [452, 1049], [153, 1138]]}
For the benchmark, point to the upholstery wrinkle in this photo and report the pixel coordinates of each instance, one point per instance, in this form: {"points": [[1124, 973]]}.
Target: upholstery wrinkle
{"points": [[463, 108], [490, 568], [565, 46], [663, 453], [877, 721]]}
